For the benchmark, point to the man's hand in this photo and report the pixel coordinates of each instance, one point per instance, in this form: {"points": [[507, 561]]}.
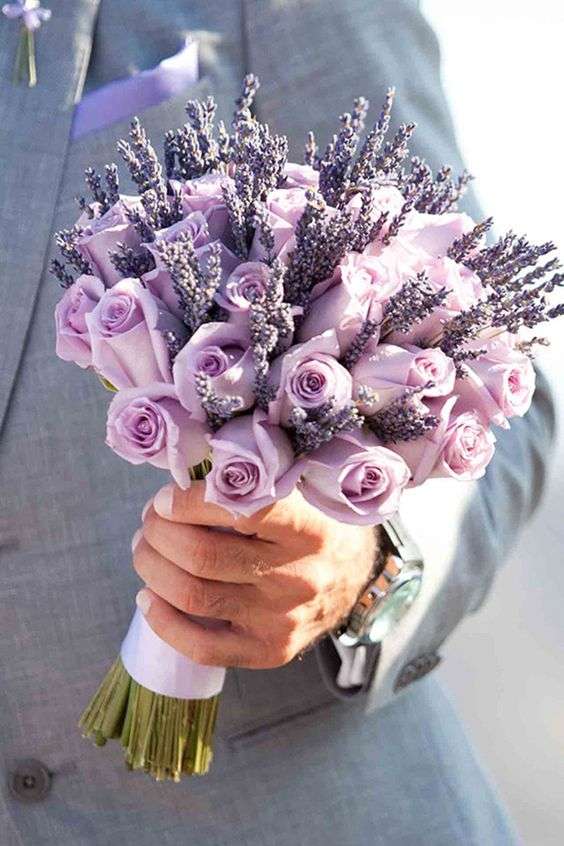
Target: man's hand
{"points": [[289, 575]]}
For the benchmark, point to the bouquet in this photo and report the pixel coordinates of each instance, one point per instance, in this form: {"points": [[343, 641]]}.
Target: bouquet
{"points": [[336, 326]]}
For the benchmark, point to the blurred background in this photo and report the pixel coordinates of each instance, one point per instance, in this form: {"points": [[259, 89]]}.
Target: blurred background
{"points": [[503, 70]]}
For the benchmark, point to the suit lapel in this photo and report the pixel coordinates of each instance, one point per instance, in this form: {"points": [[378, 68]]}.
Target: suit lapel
{"points": [[34, 134]]}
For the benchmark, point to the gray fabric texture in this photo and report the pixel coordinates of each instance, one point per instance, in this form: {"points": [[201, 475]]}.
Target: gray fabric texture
{"points": [[294, 764]]}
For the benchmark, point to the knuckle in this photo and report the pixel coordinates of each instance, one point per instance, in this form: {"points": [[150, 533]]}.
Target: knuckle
{"points": [[203, 557], [226, 607]]}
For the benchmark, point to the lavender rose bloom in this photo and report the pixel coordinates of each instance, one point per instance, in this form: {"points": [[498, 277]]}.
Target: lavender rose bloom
{"points": [[73, 338], [252, 465], [204, 194], [467, 448], [461, 446], [387, 370], [126, 331], [354, 479], [159, 280], [247, 281], [100, 235], [308, 375], [387, 199], [301, 176], [220, 351], [195, 224], [285, 207], [499, 384], [149, 425]]}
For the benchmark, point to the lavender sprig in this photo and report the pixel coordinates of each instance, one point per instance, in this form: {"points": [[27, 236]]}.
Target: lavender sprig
{"points": [[218, 409], [59, 270], [321, 242], [414, 301], [314, 428], [66, 241], [404, 419], [271, 326], [130, 263], [336, 165], [194, 286]]}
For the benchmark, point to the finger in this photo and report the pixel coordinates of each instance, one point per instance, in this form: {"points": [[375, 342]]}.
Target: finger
{"points": [[210, 647], [288, 522], [240, 604], [188, 506], [209, 553]]}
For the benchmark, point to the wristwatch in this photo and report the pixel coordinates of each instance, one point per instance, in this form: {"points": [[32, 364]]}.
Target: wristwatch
{"points": [[390, 594]]}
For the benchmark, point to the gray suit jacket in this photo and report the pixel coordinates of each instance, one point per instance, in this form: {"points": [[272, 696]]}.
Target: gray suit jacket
{"points": [[68, 506]]}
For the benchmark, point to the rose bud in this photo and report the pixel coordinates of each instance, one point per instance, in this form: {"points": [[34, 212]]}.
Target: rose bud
{"points": [[101, 235], [387, 199], [252, 465], [148, 425], [300, 176], [159, 280], [499, 384], [354, 479], [126, 330], [388, 370], [285, 207], [342, 303], [308, 376], [247, 282], [73, 337], [220, 351], [204, 194], [432, 234]]}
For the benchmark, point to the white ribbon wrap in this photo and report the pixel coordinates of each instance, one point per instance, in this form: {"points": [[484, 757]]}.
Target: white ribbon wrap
{"points": [[160, 668]]}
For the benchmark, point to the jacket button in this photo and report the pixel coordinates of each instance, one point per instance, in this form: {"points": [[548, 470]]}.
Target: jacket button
{"points": [[29, 780], [416, 669]]}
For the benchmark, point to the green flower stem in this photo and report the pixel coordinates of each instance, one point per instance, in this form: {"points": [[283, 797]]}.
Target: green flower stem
{"points": [[161, 735], [32, 68]]}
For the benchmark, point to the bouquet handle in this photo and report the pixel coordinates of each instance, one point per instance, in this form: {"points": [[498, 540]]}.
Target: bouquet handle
{"points": [[161, 706]]}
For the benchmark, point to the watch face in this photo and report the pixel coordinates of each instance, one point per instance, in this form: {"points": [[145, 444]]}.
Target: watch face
{"points": [[391, 609]]}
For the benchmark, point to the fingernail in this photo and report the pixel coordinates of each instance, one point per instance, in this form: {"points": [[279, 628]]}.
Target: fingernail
{"points": [[162, 502], [146, 508], [135, 539], [143, 600]]}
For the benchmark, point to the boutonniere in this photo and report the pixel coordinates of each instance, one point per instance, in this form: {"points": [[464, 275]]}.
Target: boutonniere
{"points": [[31, 16]]}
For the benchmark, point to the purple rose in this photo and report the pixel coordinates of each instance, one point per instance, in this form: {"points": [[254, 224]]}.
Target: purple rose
{"points": [[126, 330], [340, 304], [220, 351], [204, 194], [354, 479], [432, 234], [301, 176], [73, 338], [252, 465], [309, 375], [159, 281], [461, 445], [499, 384], [100, 235], [149, 425], [195, 224], [467, 449], [388, 370], [248, 281], [386, 199], [285, 207]]}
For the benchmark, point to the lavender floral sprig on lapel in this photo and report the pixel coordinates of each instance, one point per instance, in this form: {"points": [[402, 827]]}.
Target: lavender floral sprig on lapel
{"points": [[31, 15]]}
